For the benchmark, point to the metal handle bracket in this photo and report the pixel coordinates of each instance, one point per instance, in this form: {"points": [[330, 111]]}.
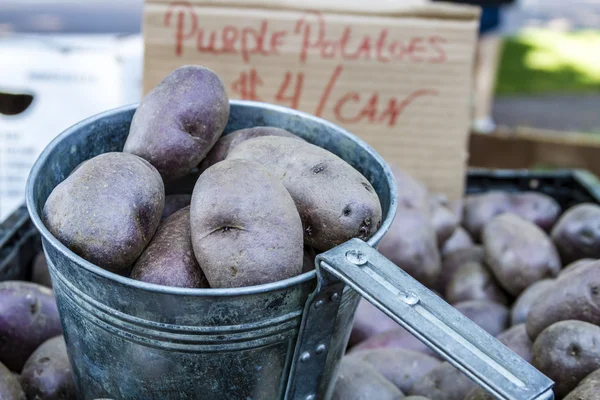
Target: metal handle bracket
{"points": [[440, 326], [314, 338]]}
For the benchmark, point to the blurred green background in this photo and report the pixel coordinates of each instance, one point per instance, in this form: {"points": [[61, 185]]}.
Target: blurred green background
{"points": [[540, 61]]}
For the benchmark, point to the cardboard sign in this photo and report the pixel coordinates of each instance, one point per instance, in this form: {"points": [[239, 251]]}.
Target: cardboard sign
{"points": [[397, 76]]}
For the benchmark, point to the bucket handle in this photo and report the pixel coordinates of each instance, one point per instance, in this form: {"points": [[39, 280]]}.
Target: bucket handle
{"points": [[433, 321]]}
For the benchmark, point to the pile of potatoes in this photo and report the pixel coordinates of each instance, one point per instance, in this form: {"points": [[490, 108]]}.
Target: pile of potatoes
{"points": [[264, 202], [33, 357], [515, 264]]}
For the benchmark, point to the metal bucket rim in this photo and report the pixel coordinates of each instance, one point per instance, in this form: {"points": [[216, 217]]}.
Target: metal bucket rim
{"points": [[204, 292]]}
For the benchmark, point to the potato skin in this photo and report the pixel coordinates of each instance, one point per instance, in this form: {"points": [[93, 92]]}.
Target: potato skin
{"points": [[174, 203], [28, 317], [490, 316], [169, 258], [110, 237], [473, 281], [178, 121], [575, 296], [39, 271], [10, 388], [460, 239], [519, 253], [458, 208], [410, 243], [445, 382], [401, 367], [454, 261], [587, 389], [444, 221], [577, 233], [336, 203], [245, 227], [479, 209], [567, 352], [479, 394], [357, 380], [574, 266], [226, 143], [412, 194], [537, 208], [369, 321], [308, 260], [397, 338], [47, 374], [522, 305], [516, 339]]}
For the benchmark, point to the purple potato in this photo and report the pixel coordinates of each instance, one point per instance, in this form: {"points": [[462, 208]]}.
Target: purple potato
{"points": [[401, 367], [519, 253], [577, 233], [335, 201], [537, 208], [574, 266], [516, 339], [444, 382], [454, 261], [473, 281], [47, 375], [28, 317], [398, 338], [490, 316], [10, 388], [587, 389], [228, 142], [358, 380], [522, 305], [459, 240], [574, 296], [457, 207], [179, 121], [369, 321], [567, 352], [169, 259], [443, 220], [479, 393], [40, 273], [479, 209], [411, 245], [108, 210], [245, 226], [412, 194]]}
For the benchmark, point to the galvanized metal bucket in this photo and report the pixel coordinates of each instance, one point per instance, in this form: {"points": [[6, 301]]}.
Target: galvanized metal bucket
{"points": [[133, 340]]}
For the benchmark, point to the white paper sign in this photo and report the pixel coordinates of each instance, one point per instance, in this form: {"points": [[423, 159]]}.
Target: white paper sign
{"points": [[67, 80]]}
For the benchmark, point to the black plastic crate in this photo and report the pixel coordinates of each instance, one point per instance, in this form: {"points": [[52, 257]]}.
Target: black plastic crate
{"points": [[568, 187], [20, 241], [19, 244]]}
